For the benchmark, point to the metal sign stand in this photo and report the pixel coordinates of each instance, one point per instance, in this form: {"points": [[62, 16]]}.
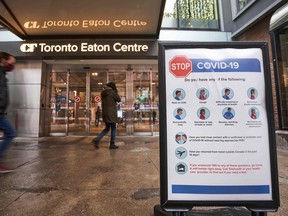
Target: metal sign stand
{"points": [[158, 211], [253, 213]]}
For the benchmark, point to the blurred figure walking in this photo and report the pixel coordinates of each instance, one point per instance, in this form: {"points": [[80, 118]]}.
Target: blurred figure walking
{"points": [[7, 62]]}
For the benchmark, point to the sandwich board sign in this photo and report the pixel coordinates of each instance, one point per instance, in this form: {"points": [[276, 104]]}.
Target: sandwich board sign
{"points": [[217, 141]]}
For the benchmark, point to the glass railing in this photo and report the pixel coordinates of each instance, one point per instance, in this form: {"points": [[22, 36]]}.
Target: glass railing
{"points": [[191, 14]]}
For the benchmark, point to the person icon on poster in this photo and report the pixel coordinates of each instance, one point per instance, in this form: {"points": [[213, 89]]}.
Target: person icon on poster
{"points": [[179, 113], [227, 94], [202, 94], [202, 114], [228, 113], [179, 94], [254, 113], [252, 93], [178, 138], [184, 138], [181, 138]]}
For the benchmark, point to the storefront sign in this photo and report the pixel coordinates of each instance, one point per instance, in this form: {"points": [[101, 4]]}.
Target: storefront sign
{"points": [[83, 47], [56, 49], [82, 19], [217, 142], [83, 23]]}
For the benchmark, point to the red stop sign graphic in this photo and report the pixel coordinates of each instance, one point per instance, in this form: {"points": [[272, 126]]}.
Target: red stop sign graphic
{"points": [[180, 66], [97, 98]]}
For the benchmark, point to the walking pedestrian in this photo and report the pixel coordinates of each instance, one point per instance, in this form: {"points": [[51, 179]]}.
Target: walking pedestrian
{"points": [[109, 97], [7, 62]]}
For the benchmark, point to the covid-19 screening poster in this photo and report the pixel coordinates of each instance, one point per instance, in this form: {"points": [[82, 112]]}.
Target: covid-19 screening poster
{"points": [[217, 126]]}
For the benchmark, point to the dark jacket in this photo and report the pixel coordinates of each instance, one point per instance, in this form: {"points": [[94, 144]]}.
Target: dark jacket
{"points": [[109, 101], [4, 100]]}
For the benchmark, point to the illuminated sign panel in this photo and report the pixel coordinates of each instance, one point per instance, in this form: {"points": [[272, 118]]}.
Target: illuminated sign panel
{"points": [[120, 48], [30, 19], [84, 47]]}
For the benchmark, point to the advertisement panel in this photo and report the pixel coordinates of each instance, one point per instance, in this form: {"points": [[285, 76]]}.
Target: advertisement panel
{"points": [[217, 139]]}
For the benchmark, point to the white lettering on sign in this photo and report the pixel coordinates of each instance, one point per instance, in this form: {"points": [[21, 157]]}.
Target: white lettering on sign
{"points": [[85, 23], [58, 48], [95, 23], [60, 23], [31, 24], [118, 47], [120, 23], [28, 47], [85, 47], [217, 65], [180, 66]]}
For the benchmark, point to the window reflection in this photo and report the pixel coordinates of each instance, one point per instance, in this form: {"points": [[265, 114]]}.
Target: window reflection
{"points": [[191, 14], [170, 14], [283, 75], [242, 4]]}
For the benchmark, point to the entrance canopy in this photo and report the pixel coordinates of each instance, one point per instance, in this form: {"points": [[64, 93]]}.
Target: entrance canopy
{"points": [[62, 19]]}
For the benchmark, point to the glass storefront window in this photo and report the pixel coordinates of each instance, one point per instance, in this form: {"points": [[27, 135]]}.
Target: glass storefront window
{"points": [[191, 14], [283, 76]]}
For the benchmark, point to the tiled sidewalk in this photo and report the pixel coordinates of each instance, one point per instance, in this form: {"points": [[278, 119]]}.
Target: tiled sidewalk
{"points": [[67, 176]]}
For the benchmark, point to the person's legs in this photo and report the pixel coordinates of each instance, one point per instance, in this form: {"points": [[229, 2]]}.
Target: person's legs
{"points": [[113, 131], [9, 134], [101, 135], [113, 136]]}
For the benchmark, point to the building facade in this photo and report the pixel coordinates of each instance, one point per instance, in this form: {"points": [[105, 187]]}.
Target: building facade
{"points": [[55, 89], [252, 20]]}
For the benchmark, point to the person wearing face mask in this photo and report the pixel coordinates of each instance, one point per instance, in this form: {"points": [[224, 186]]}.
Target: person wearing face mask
{"points": [[7, 62]]}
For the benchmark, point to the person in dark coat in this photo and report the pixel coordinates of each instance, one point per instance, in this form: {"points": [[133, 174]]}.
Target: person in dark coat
{"points": [[109, 97], [7, 62]]}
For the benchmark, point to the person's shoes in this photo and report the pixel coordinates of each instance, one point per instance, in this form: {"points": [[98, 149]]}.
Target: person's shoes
{"points": [[4, 169], [95, 143], [113, 146]]}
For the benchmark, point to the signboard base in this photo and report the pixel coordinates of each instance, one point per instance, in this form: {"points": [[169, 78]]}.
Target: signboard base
{"points": [[159, 211]]}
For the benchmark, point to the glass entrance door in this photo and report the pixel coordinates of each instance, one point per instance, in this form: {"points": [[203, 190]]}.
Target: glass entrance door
{"points": [[78, 110], [70, 114], [145, 112], [76, 97], [59, 103]]}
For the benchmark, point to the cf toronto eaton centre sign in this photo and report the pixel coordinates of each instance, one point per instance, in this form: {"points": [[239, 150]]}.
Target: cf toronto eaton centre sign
{"points": [[83, 47], [101, 48], [84, 23]]}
